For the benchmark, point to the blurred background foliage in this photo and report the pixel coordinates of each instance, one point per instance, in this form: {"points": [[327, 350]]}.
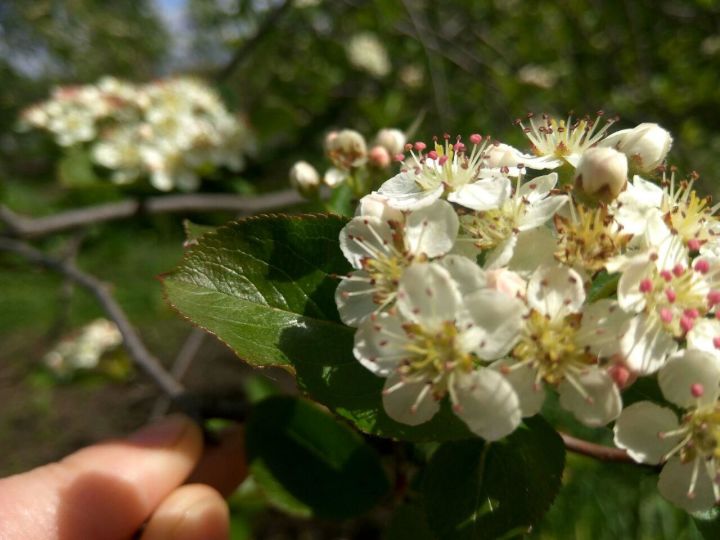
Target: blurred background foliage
{"points": [[289, 67]]}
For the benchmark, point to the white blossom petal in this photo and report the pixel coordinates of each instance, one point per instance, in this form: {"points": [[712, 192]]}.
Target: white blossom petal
{"points": [[380, 344], [498, 320], [531, 396], [487, 403], [603, 324], [364, 237], [601, 403], [686, 369], [410, 403], [428, 295], [468, 276], [674, 484], [537, 188], [485, 194], [432, 230], [645, 344], [630, 297], [703, 336], [404, 193], [637, 429], [534, 248], [540, 212], [501, 254], [556, 291], [354, 298]]}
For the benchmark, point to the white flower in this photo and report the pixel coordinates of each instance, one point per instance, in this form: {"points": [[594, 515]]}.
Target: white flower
{"points": [[646, 145], [381, 245], [661, 296], [689, 447], [447, 170], [555, 142], [435, 344], [602, 173], [549, 353], [500, 224], [84, 350]]}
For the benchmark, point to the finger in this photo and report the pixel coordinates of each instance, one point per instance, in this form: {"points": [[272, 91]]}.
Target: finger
{"points": [[223, 466], [191, 512], [104, 491]]}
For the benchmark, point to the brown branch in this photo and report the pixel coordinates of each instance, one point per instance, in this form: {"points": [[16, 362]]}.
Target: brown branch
{"points": [[24, 227], [596, 451], [272, 19], [131, 340]]}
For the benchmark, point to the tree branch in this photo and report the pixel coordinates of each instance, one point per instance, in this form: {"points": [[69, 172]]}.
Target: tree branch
{"points": [[24, 227], [131, 340], [596, 451]]}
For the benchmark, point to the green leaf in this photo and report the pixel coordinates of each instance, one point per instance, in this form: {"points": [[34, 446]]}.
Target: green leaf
{"points": [[265, 287], [475, 490], [319, 462], [409, 523], [603, 286], [275, 493], [708, 523], [193, 231], [341, 200], [75, 170]]}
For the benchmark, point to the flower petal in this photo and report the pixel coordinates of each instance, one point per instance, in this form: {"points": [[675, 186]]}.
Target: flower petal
{"points": [[364, 237], [432, 230], [541, 212], [686, 369], [468, 276], [531, 396], [703, 334], [645, 344], [487, 403], [380, 344], [556, 291], [410, 403], [404, 193], [601, 404], [674, 484], [534, 248], [354, 298], [603, 324], [497, 318], [485, 194], [538, 188], [428, 295], [637, 431]]}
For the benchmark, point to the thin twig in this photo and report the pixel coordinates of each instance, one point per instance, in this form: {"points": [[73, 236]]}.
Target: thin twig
{"points": [[270, 22], [131, 340], [597, 451], [187, 354], [24, 227]]}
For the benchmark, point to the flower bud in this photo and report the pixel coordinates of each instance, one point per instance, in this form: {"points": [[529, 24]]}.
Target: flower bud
{"points": [[502, 155], [304, 178], [379, 157], [346, 149], [393, 140], [646, 145], [601, 173]]}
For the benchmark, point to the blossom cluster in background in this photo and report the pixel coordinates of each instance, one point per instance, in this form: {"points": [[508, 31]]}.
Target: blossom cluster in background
{"points": [[490, 276], [84, 349], [353, 162], [171, 131]]}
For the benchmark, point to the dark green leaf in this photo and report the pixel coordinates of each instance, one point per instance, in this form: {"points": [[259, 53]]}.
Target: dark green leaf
{"points": [[603, 286], [275, 493], [409, 523], [265, 287], [474, 490], [322, 464], [708, 523]]}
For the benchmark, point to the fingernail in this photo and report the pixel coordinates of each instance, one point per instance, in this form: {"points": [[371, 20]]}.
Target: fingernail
{"points": [[164, 432]]}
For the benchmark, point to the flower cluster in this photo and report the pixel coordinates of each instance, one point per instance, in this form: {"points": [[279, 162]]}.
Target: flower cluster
{"points": [[353, 162], [493, 276], [84, 349], [170, 131]]}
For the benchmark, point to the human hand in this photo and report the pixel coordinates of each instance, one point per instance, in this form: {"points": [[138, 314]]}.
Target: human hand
{"points": [[109, 490]]}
